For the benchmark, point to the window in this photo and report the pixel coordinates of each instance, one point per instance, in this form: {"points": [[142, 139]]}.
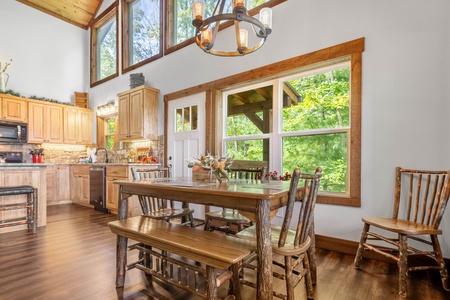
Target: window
{"points": [[104, 46], [179, 18], [110, 132], [186, 118], [141, 32], [301, 120], [276, 87]]}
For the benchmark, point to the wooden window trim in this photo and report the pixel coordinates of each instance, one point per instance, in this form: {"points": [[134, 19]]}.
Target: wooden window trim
{"points": [[104, 17], [125, 38], [351, 51], [169, 23]]}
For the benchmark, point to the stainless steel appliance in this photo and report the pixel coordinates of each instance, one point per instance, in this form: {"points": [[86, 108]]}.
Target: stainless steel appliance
{"points": [[97, 183], [13, 132], [11, 157]]}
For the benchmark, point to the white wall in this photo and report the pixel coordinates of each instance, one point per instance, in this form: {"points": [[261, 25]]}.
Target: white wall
{"points": [[49, 58], [405, 88]]}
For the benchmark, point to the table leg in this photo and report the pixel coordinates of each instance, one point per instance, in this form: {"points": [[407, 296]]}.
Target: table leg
{"points": [[264, 252], [121, 248]]}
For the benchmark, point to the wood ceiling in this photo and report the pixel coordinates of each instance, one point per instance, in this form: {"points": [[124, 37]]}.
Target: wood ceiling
{"points": [[77, 12]]}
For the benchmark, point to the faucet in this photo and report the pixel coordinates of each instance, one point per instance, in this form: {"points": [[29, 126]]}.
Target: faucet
{"points": [[106, 153]]}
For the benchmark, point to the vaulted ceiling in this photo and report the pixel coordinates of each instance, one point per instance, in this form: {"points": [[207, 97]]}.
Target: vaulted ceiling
{"points": [[77, 12]]}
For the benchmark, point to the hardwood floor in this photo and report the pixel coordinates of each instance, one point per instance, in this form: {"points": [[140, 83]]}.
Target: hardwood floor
{"points": [[73, 257]]}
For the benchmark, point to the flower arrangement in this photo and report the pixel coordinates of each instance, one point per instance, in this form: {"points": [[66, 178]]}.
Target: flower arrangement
{"points": [[217, 165], [5, 66], [273, 175]]}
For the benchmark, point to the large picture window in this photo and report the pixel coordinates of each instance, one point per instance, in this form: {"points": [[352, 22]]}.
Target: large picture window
{"points": [[141, 32], [302, 120], [104, 57]]}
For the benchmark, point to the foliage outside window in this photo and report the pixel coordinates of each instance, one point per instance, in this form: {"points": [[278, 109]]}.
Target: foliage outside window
{"points": [[141, 32], [179, 17], [104, 44], [314, 118], [110, 132], [186, 118]]}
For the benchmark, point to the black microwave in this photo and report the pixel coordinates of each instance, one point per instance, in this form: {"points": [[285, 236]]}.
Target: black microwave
{"points": [[13, 132]]}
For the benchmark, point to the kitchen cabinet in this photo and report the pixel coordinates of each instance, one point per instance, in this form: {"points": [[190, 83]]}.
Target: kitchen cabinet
{"points": [[112, 190], [77, 126], [19, 175], [58, 184], [79, 185], [45, 123], [13, 108], [138, 114]]}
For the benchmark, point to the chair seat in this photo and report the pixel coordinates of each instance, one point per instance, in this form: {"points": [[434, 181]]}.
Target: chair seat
{"points": [[401, 226], [227, 215], [168, 213], [288, 249]]}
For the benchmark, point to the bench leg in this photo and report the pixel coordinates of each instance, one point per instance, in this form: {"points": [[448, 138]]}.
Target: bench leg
{"points": [[121, 260]]}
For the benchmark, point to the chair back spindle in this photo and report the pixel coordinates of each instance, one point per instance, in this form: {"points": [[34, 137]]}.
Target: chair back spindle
{"points": [[425, 196], [305, 216]]}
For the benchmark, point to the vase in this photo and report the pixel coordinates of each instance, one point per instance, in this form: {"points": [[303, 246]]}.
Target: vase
{"points": [[3, 81]]}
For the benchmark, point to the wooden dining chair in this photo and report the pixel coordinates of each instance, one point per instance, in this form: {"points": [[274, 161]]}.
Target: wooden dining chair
{"points": [[231, 221], [160, 208], [292, 244], [420, 199]]}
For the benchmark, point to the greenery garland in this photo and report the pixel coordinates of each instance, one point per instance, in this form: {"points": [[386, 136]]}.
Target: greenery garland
{"points": [[11, 92]]}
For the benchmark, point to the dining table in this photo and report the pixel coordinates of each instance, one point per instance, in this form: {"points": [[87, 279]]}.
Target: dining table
{"points": [[259, 201]]}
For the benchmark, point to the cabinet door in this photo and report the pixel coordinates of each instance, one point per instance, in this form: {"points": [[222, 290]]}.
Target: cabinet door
{"points": [[50, 188], [85, 127], [62, 182], [124, 114], [14, 109], [53, 124], [36, 127], [135, 119], [70, 125], [85, 193]]}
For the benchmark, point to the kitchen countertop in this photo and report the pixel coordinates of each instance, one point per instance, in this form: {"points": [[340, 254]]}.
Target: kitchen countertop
{"points": [[9, 165]]}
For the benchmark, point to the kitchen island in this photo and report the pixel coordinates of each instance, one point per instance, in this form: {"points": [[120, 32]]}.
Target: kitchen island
{"points": [[15, 174]]}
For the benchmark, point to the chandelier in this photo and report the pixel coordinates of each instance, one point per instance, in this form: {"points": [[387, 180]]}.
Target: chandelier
{"points": [[206, 29]]}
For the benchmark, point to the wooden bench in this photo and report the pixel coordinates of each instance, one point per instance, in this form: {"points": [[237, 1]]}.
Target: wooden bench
{"points": [[193, 252], [30, 205]]}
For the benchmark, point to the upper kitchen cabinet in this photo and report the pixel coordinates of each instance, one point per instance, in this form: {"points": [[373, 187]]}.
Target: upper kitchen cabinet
{"points": [[138, 114], [77, 126], [13, 108], [45, 123]]}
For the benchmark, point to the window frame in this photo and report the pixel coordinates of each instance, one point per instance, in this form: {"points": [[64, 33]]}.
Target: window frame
{"points": [[351, 50], [107, 15], [126, 67], [170, 21]]}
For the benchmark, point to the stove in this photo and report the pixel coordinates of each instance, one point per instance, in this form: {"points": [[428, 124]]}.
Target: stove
{"points": [[12, 156]]}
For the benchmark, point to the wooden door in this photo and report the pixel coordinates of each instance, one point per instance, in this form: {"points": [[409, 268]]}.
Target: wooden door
{"points": [[124, 114], [14, 110], [85, 127], [54, 124], [70, 125], [135, 118], [36, 124]]}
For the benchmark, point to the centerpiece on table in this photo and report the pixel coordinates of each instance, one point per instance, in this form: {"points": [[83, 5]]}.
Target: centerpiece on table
{"points": [[205, 166]]}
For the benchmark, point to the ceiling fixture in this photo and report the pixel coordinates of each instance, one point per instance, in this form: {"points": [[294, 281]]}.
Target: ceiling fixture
{"points": [[206, 29], [108, 109]]}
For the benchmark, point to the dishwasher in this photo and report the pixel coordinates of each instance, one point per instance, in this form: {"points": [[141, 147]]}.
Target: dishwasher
{"points": [[97, 188]]}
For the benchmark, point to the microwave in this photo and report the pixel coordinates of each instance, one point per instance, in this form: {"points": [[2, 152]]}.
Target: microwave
{"points": [[13, 132]]}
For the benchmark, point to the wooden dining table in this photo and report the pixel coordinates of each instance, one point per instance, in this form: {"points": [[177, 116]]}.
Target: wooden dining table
{"points": [[259, 201]]}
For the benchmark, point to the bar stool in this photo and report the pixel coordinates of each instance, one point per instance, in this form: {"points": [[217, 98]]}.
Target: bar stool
{"points": [[30, 205]]}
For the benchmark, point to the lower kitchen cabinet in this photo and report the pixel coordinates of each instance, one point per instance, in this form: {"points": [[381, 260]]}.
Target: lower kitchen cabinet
{"points": [[79, 187], [112, 190], [58, 184]]}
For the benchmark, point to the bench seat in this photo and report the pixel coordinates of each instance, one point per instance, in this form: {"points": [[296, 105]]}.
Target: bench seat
{"points": [[215, 250]]}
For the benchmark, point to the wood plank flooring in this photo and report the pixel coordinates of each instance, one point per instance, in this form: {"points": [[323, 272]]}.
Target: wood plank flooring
{"points": [[73, 257]]}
